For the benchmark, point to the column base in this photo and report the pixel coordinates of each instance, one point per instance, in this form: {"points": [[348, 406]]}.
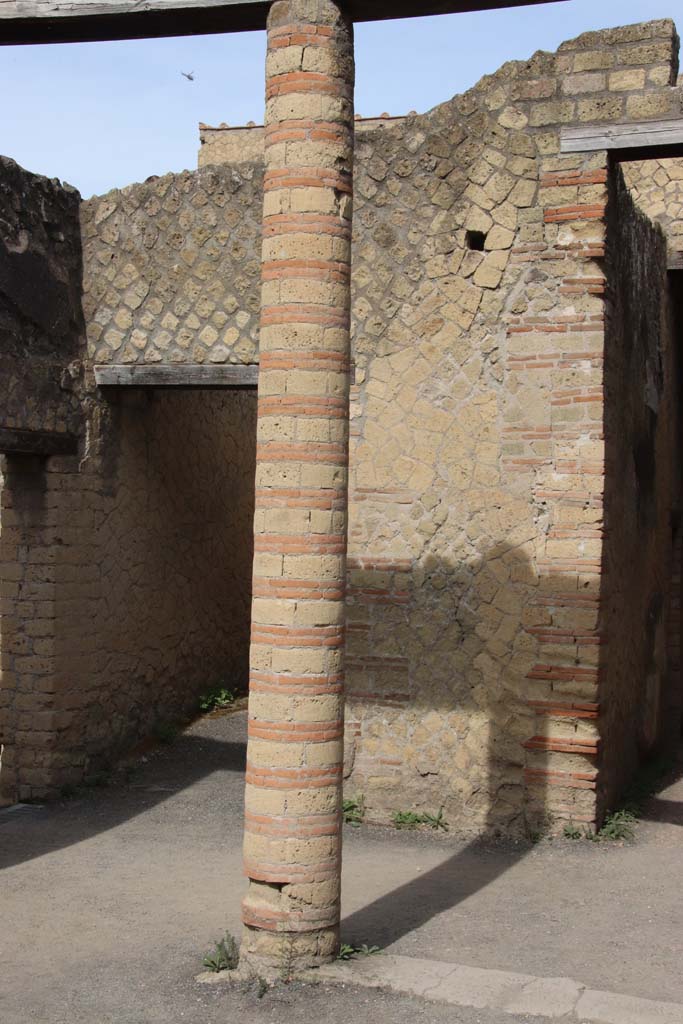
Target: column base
{"points": [[280, 956]]}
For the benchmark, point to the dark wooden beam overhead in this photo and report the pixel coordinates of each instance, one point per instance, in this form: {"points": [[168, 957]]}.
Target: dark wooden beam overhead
{"points": [[36, 442], [177, 375], [72, 21], [637, 140]]}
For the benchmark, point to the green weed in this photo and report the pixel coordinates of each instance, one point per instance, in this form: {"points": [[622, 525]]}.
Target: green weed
{"points": [[411, 820], [224, 956], [347, 952], [618, 826], [621, 825], [406, 819], [353, 810], [219, 697], [435, 821]]}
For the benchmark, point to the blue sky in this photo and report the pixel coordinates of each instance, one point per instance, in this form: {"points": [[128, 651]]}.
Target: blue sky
{"points": [[103, 115]]}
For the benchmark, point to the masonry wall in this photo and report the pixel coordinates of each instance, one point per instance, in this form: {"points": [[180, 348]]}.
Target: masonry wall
{"points": [[126, 568], [132, 582], [42, 337], [244, 144], [41, 322], [639, 687], [478, 462], [475, 653], [167, 604], [657, 188], [171, 269]]}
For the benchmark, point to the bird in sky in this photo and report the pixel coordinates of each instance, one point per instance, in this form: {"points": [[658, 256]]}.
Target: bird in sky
{"points": [[189, 75]]}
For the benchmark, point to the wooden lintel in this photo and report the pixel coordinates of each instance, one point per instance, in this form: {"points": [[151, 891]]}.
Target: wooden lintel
{"points": [[638, 140], [69, 21], [177, 375], [36, 442]]}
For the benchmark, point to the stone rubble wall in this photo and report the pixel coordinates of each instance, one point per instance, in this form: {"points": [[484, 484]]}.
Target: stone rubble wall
{"points": [[41, 322], [171, 269], [244, 144], [657, 188]]}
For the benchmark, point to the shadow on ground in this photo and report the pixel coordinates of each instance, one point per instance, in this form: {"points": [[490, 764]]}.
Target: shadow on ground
{"points": [[194, 756]]}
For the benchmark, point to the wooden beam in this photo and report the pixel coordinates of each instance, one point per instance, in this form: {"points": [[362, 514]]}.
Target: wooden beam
{"points": [[36, 442], [675, 260], [70, 21], [177, 375], [635, 141]]}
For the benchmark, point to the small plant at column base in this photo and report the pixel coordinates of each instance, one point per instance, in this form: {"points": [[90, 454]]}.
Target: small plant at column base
{"points": [[225, 955], [261, 987], [619, 825], [216, 699], [411, 820], [347, 952], [353, 810]]}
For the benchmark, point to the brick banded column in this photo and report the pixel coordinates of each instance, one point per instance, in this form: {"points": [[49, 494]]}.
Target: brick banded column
{"points": [[292, 845]]}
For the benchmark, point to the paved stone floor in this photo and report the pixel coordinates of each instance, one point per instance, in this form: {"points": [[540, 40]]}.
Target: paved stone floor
{"points": [[109, 899]]}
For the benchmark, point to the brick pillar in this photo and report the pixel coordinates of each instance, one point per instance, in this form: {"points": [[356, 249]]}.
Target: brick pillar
{"points": [[292, 843]]}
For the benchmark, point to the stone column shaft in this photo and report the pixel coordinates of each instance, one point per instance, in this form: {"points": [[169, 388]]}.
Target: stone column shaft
{"points": [[292, 842]]}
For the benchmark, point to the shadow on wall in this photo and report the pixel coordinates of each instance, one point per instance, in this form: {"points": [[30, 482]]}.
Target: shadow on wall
{"points": [[520, 683], [478, 752], [456, 704], [640, 681]]}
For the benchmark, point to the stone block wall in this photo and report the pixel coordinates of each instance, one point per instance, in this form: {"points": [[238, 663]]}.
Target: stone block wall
{"points": [[29, 719], [126, 585], [42, 337], [168, 608]]}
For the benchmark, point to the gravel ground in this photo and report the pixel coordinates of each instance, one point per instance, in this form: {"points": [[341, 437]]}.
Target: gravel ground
{"points": [[109, 900]]}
